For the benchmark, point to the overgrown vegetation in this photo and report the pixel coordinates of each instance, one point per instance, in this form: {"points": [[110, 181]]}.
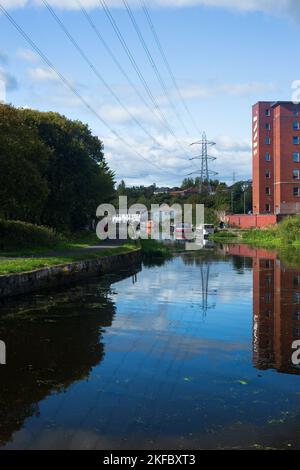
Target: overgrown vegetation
{"points": [[265, 238], [286, 233], [15, 235], [155, 249], [289, 230]]}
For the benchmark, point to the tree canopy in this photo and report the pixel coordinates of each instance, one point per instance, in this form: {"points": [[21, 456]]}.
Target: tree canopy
{"points": [[24, 159], [61, 167]]}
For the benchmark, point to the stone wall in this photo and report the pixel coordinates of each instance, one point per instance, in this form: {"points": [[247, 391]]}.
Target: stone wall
{"points": [[64, 274]]}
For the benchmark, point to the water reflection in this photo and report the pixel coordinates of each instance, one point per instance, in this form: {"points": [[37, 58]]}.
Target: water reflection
{"points": [[276, 308], [132, 362], [53, 340], [276, 314]]}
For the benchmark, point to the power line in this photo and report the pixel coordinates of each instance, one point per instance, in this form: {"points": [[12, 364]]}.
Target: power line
{"points": [[96, 72], [73, 89], [120, 67], [167, 64], [137, 70], [153, 64]]}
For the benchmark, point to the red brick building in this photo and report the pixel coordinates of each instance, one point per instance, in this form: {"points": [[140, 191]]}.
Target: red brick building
{"points": [[276, 158]]}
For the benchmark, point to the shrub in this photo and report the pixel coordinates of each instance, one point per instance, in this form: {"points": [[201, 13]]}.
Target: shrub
{"points": [[289, 229], [16, 234], [155, 249]]}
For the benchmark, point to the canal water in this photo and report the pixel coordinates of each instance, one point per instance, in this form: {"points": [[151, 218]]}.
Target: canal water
{"points": [[191, 353]]}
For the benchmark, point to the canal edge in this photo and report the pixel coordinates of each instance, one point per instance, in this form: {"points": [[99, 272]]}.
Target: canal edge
{"points": [[65, 274]]}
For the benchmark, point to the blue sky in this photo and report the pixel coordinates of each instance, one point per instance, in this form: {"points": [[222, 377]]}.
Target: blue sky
{"points": [[225, 55]]}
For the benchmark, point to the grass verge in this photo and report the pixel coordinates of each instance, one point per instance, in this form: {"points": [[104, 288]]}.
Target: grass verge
{"points": [[20, 265], [224, 236]]}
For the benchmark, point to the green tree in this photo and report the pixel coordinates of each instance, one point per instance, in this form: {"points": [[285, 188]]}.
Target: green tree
{"points": [[121, 189], [23, 165], [78, 176], [187, 183]]}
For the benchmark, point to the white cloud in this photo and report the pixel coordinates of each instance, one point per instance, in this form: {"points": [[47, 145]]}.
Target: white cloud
{"points": [[28, 55], [118, 115], [15, 3], [226, 143], [172, 166], [3, 57], [291, 7], [8, 79], [232, 156], [232, 89], [42, 74]]}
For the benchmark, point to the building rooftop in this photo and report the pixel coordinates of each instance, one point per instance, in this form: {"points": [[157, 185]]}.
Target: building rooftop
{"points": [[277, 103]]}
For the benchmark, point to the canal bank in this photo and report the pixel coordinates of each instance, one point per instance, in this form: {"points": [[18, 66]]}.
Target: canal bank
{"points": [[66, 273]]}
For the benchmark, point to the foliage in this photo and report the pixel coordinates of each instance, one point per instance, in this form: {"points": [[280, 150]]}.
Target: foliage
{"points": [[289, 229], [17, 235], [265, 238], [224, 235], [52, 169], [78, 177], [286, 233], [155, 249], [23, 165]]}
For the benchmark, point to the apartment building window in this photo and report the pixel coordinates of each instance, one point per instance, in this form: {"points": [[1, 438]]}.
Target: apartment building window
{"points": [[268, 208], [268, 174], [268, 140], [268, 191], [296, 298], [296, 157], [295, 174], [296, 192], [296, 281], [268, 157], [268, 280], [268, 126], [296, 140], [296, 315], [268, 298], [296, 126], [296, 332], [268, 112]]}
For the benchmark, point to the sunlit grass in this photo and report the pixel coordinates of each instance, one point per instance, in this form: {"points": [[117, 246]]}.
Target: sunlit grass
{"points": [[21, 265]]}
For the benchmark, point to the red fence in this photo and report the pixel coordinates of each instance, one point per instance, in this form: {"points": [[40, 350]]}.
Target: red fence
{"points": [[251, 221]]}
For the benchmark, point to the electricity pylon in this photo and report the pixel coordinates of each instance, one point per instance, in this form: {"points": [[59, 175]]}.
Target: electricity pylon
{"points": [[205, 172]]}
